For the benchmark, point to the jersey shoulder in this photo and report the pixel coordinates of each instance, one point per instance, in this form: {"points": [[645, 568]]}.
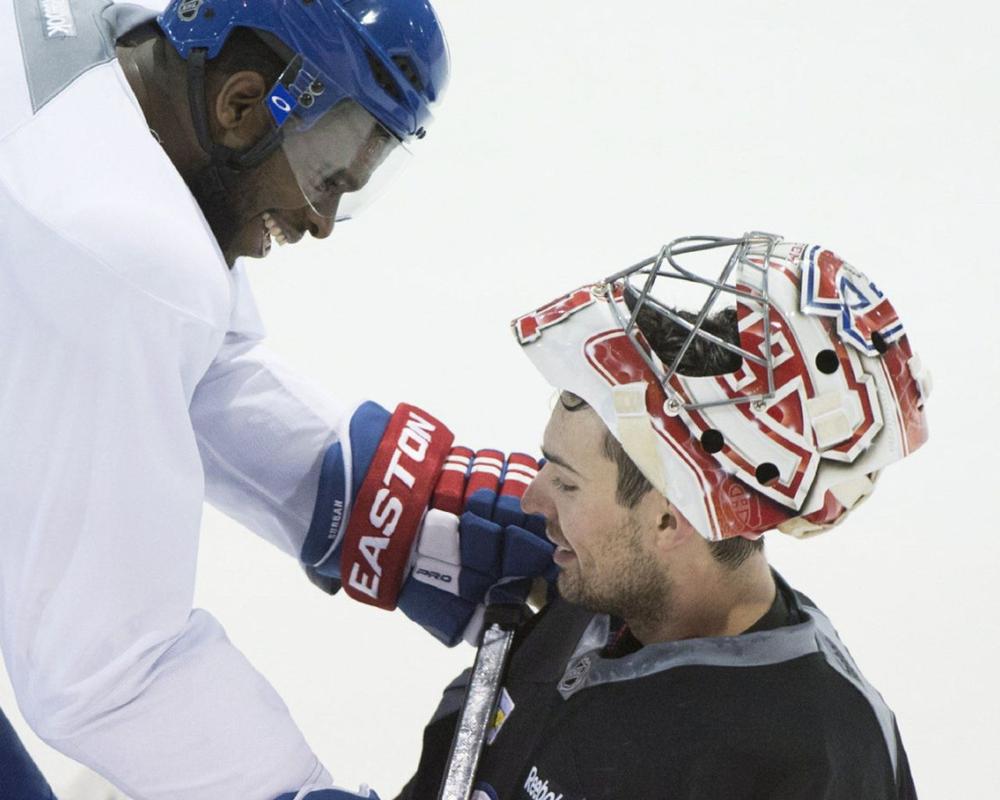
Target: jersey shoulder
{"points": [[77, 162], [47, 44]]}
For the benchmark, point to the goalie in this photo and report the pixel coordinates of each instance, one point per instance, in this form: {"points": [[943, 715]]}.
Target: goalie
{"points": [[677, 663]]}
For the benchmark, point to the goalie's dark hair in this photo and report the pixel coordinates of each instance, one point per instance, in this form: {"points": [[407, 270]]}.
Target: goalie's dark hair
{"points": [[702, 358]]}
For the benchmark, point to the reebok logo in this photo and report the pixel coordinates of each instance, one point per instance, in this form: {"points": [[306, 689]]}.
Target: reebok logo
{"points": [[57, 16], [537, 788]]}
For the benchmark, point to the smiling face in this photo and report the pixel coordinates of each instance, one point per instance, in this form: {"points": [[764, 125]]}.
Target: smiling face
{"points": [[268, 206], [264, 203], [606, 552], [298, 187]]}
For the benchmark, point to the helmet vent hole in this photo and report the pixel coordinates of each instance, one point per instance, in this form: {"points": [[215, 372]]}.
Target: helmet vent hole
{"points": [[766, 473], [383, 78], [712, 441], [409, 71], [827, 361], [879, 342]]}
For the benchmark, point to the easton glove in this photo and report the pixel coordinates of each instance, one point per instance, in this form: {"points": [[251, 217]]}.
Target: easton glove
{"points": [[477, 546], [376, 488]]}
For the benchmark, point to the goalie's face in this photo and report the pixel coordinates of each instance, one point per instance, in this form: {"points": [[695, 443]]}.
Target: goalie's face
{"points": [[605, 551]]}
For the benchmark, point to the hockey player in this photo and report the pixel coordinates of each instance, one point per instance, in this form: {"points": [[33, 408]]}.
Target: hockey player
{"points": [[139, 158], [677, 663]]}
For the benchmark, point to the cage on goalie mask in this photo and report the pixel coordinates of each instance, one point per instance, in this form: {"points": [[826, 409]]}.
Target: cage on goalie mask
{"points": [[825, 390]]}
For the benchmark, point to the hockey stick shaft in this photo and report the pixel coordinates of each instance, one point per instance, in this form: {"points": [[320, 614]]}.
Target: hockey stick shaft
{"points": [[480, 700]]}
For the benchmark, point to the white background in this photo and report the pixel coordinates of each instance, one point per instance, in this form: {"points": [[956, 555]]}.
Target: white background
{"points": [[575, 139]]}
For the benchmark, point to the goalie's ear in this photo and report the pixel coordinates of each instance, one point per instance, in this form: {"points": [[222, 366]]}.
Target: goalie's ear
{"points": [[668, 527]]}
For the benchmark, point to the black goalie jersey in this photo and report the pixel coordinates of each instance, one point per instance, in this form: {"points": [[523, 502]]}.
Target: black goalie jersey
{"points": [[780, 711]]}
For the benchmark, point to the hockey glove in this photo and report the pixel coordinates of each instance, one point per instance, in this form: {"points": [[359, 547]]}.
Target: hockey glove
{"points": [[376, 486], [477, 546]]}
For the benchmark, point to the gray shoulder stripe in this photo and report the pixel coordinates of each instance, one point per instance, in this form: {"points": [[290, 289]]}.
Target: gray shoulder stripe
{"points": [[60, 40], [749, 650], [587, 668], [838, 658], [123, 17]]}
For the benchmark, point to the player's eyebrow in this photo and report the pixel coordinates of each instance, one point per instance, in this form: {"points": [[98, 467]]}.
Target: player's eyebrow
{"points": [[558, 461]]}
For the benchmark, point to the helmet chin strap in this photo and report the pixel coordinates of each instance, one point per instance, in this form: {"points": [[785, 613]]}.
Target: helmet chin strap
{"points": [[215, 184]]}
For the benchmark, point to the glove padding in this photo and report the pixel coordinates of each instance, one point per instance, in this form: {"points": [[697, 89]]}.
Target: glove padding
{"points": [[477, 546], [395, 476], [374, 489]]}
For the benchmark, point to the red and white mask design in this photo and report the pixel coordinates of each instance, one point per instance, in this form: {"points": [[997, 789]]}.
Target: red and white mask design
{"points": [[826, 394]]}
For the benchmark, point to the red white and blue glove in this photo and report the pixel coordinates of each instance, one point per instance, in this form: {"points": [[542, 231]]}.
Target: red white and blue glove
{"points": [[476, 546], [404, 519]]}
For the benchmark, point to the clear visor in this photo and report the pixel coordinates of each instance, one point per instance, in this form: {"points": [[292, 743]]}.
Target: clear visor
{"points": [[343, 161]]}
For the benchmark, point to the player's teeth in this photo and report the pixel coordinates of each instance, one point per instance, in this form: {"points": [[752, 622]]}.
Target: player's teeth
{"points": [[274, 229]]}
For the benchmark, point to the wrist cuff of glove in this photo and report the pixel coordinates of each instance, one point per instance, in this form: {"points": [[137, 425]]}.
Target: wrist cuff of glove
{"points": [[390, 505], [345, 464]]}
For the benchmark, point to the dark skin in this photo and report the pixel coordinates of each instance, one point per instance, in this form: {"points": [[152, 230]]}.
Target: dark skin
{"points": [[238, 119]]}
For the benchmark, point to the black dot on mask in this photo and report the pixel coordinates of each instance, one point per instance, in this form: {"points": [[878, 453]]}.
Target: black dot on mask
{"points": [[827, 361], [879, 342], [712, 441], [766, 472]]}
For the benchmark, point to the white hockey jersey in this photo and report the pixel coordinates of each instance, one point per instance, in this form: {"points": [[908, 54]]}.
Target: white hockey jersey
{"points": [[132, 388]]}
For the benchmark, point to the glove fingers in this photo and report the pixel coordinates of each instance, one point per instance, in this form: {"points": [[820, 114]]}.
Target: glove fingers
{"points": [[519, 472], [449, 493], [508, 511], [444, 615], [473, 586], [484, 480], [536, 524], [481, 543], [476, 544], [461, 557], [524, 553]]}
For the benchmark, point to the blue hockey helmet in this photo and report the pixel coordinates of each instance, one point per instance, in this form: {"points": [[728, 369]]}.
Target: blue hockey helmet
{"points": [[361, 79]]}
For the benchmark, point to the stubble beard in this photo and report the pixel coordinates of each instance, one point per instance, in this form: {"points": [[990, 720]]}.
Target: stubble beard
{"points": [[629, 585]]}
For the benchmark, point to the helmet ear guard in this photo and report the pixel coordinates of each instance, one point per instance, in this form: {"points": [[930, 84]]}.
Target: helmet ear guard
{"points": [[818, 392]]}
